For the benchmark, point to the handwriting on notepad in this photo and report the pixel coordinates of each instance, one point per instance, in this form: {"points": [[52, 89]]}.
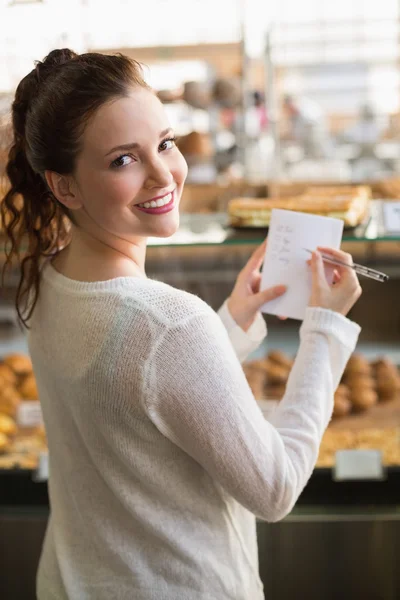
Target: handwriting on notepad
{"points": [[281, 249]]}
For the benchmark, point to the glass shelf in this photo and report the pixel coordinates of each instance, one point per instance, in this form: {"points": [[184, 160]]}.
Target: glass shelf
{"points": [[213, 230]]}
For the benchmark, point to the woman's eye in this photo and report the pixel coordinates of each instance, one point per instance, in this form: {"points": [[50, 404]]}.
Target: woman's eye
{"points": [[167, 144], [122, 161]]}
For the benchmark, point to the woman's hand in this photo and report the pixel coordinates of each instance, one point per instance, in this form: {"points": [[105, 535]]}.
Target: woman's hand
{"points": [[345, 289], [246, 299]]}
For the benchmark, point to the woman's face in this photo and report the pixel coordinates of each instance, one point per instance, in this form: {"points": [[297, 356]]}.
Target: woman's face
{"points": [[130, 174]]}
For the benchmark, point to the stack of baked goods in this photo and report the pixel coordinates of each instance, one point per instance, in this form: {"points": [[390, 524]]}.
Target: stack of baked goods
{"points": [[18, 447], [349, 203], [268, 377], [365, 383]]}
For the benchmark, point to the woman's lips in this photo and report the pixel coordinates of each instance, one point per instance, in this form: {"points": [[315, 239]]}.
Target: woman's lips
{"points": [[159, 210]]}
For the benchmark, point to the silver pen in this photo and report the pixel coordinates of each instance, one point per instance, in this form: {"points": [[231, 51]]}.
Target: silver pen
{"points": [[359, 269]]}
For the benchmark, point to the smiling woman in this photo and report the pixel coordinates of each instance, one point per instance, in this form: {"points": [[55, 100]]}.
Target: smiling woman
{"points": [[93, 152], [160, 457]]}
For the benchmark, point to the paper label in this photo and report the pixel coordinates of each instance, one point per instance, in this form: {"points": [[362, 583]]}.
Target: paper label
{"points": [[358, 464], [29, 414], [391, 216], [42, 471]]}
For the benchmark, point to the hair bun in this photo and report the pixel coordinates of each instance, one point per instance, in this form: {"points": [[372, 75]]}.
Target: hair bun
{"points": [[55, 59], [59, 57]]}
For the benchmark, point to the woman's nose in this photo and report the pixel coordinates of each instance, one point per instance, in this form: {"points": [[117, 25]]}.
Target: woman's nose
{"points": [[158, 174]]}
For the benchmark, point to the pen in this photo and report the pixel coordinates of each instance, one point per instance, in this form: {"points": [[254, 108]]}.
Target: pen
{"points": [[360, 269]]}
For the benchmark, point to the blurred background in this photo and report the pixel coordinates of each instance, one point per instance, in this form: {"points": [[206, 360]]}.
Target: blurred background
{"points": [[293, 104]]}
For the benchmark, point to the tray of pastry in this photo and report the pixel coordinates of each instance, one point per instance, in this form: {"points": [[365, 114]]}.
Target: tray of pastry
{"points": [[366, 411], [21, 442], [349, 203]]}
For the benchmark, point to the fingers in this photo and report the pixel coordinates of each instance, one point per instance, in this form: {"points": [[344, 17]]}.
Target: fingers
{"points": [[347, 276], [317, 270], [256, 259], [269, 294], [336, 276]]}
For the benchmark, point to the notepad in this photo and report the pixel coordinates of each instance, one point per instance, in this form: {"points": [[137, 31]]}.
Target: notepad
{"points": [[285, 258]]}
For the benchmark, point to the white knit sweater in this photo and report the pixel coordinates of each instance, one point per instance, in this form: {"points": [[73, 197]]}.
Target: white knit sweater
{"points": [[159, 454]]}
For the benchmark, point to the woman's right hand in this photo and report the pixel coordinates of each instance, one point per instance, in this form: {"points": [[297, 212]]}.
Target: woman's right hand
{"points": [[343, 293]]}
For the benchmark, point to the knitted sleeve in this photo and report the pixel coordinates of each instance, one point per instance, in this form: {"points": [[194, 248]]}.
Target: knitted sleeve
{"points": [[198, 397], [244, 343]]}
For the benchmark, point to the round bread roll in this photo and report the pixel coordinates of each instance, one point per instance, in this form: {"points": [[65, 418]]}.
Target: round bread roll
{"points": [[28, 388], [276, 373], [275, 392], [388, 389], [9, 401], [342, 406], [7, 425], [358, 364], [361, 383], [19, 363], [4, 443], [384, 363], [364, 399], [280, 358], [342, 390], [7, 375], [359, 379], [40, 432], [256, 381]]}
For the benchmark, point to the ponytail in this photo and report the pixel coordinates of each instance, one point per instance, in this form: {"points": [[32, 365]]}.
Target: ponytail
{"points": [[31, 217]]}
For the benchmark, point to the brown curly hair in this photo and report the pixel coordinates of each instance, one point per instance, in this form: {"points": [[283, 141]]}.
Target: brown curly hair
{"points": [[51, 107]]}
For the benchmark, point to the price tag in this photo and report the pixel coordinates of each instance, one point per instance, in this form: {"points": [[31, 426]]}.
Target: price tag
{"points": [[358, 464], [42, 471], [29, 414], [391, 216]]}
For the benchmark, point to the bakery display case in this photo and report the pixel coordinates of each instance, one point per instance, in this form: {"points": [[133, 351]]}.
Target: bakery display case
{"points": [[204, 257]]}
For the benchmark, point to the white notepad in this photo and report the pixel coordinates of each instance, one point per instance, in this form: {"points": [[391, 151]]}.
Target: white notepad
{"points": [[285, 258]]}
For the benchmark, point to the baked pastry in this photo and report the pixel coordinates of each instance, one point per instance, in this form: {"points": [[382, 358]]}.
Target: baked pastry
{"points": [[276, 373], [342, 390], [7, 425], [19, 363], [7, 375], [28, 388], [275, 391], [363, 399], [358, 364], [256, 212], [9, 401], [341, 407], [363, 382], [256, 381], [280, 358]]}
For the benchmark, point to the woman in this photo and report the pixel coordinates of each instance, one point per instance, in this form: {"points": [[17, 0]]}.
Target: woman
{"points": [[159, 455]]}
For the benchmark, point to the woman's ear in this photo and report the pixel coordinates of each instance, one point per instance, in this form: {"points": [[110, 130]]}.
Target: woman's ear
{"points": [[63, 189]]}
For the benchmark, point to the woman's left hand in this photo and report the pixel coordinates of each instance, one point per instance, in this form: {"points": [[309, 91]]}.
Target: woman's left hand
{"points": [[246, 299]]}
